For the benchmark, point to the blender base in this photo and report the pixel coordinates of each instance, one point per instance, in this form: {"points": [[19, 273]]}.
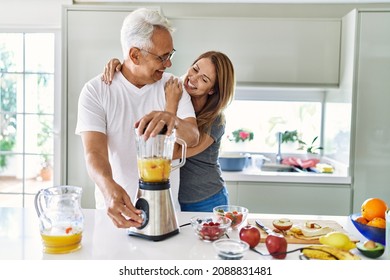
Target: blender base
{"points": [[153, 237]]}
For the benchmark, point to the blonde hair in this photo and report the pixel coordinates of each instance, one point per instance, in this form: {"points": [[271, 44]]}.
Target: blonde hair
{"points": [[224, 89]]}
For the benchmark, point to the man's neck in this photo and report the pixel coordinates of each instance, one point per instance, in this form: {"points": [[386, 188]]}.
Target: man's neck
{"points": [[131, 77]]}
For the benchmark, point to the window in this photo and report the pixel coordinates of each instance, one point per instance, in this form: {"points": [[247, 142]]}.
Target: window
{"points": [[27, 64], [268, 111]]}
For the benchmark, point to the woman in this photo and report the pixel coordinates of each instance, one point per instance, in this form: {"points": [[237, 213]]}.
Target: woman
{"points": [[210, 82]]}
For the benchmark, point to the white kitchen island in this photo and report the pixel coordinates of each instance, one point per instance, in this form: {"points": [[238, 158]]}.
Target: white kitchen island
{"points": [[20, 239]]}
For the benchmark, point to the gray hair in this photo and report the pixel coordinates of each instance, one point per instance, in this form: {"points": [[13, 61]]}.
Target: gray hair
{"points": [[137, 29]]}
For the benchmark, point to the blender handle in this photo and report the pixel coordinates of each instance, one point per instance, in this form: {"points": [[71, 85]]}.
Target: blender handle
{"points": [[183, 154]]}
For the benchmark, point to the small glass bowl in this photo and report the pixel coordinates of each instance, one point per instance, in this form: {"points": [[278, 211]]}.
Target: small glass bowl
{"points": [[210, 228], [235, 213], [230, 249]]}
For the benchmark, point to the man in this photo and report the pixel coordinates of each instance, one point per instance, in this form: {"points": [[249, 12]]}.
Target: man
{"points": [[108, 114]]}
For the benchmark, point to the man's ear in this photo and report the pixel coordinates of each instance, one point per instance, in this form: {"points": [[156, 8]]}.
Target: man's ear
{"points": [[134, 54]]}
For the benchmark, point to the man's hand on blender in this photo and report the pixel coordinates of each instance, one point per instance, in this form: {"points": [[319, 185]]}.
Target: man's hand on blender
{"points": [[120, 209], [118, 203], [153, 123]]}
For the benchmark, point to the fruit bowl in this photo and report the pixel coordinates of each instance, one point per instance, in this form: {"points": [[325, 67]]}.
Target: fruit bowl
{"points": [[209, 228], [371, 233], [237, 214], [230, 249]]}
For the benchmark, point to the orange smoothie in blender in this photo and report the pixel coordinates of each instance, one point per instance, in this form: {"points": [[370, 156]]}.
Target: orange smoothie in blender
{"points": [[154, 170]]}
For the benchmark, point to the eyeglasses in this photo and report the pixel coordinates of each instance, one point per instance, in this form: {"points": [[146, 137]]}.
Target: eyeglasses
{"points": [[163, 58]]}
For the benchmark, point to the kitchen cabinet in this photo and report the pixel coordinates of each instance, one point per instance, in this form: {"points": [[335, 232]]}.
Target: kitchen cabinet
{"points": [[299, 51], [371, 148], [288, 198]]}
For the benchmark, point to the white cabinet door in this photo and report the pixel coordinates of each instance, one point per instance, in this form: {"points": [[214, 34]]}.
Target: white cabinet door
{"points": [[372, 137], [233, 192], [310, 199], [265, 51]]}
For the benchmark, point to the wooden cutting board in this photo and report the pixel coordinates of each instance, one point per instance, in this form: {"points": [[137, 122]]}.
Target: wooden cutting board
{"points": [[295, 239]]}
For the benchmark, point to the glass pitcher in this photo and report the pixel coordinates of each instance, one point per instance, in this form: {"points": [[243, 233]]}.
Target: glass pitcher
{"points": [[155, 157], [60, 217]]}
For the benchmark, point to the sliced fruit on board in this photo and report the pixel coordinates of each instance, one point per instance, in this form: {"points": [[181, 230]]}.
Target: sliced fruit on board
{"points": [[295, 235], [282, 224]]}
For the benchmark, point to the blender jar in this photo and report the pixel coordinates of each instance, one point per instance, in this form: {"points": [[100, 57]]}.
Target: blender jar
{"points": [[154, 157]]}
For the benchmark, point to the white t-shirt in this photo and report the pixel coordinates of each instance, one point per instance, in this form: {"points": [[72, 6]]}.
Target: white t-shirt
{"points": [[113, 110]]}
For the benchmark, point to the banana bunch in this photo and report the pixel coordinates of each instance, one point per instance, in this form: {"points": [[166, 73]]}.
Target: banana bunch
{"points": [[326, 252]]}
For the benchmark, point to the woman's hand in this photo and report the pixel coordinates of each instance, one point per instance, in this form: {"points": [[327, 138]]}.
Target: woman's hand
{"points": [[114, 65], [173, 92]]}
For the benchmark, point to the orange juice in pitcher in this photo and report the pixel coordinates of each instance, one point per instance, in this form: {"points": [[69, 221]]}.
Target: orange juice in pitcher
{"points": [[59, 243], [60, 218]]}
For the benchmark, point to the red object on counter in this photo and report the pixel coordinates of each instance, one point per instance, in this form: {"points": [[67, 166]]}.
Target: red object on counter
{"points": [[302, 163]]}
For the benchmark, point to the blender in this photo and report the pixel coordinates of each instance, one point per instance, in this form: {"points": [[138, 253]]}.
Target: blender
{"points": [[154, 198]]}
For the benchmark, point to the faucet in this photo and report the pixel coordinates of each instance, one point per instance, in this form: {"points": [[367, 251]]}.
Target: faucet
{"points": [[279, 154]]}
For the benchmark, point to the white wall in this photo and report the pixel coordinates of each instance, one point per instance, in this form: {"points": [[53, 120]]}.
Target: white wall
{"points": [[47, 13], [31, 13]]}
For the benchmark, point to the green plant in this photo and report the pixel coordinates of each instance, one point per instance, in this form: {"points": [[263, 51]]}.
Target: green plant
{"points": [[290, 136], [310, 148], [7, 108], [44, 139], [241, 135], [45, 135], [6, 144]]}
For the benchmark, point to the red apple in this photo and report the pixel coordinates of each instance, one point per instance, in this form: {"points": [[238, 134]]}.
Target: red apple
{"points": [[250, 235], [276, 243]]}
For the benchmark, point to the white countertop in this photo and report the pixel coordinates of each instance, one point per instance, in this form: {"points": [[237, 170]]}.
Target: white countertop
{"points": [[20, 239]]}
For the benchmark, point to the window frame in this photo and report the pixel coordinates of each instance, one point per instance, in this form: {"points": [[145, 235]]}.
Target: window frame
{"points": [[57, 115], [286, 93]]}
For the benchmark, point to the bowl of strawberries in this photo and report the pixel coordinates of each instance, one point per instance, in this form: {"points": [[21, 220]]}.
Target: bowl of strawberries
{"points": [[210, 228], [237, 214]]}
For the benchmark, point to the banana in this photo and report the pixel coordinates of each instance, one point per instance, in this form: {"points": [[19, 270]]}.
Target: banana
{"points": [[316, 254], [325, 252]]}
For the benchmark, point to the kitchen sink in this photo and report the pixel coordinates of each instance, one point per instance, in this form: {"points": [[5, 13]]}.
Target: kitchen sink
{"points": [[275, 167]]}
